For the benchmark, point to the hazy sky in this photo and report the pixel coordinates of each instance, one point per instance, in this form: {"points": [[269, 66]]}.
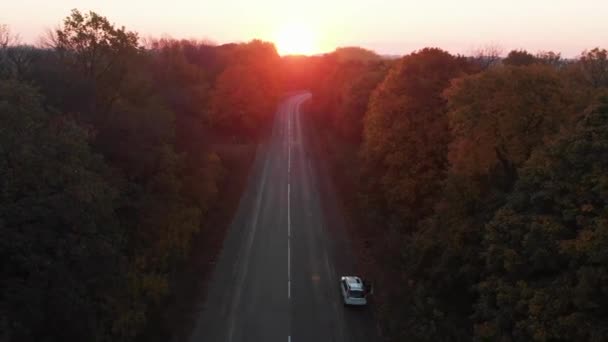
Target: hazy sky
{"points": [[387, 26]]}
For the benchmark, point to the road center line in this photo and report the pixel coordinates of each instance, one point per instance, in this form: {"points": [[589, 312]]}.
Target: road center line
{"points": [[288, 206], [288, 211]]}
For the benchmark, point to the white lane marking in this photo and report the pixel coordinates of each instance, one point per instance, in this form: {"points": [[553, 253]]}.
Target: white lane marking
{"points": [[295, 109], [288, 211], [288, 146], [288, 204]]}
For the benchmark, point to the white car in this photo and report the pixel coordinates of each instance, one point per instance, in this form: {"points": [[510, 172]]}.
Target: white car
{"points": [[353, 290]]}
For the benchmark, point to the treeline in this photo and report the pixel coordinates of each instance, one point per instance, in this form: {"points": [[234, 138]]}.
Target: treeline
{"points": [[108, 169], [483, 185]]}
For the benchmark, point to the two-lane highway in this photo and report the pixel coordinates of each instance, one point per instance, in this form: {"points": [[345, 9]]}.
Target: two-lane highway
{"points": [[276, 279]]}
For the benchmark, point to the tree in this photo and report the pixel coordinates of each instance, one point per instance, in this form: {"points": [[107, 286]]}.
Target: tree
{"points": [[7, 41], [355, 54], [99, 202], [406, 133], [355, 98], [7, 38], [550, 58], [519, 58], [544, 251], [184, 84], [491, 117], [246, 92], [57, 220], [133, 129], [497, 118], [404, 155], [487, 56], [594, 64], [99, 53]]}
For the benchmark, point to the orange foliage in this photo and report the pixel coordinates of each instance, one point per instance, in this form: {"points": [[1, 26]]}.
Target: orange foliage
{"points": [[501, 115]]}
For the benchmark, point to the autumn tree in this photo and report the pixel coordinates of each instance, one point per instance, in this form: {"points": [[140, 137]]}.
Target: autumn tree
{"points": [[544, 250], [519, 58], [62, 241], [487, 56], [355, 54], [98, 53], [355, 98], [406, 134], [245, 95], [550, 58], [8, 41], [497, 118], [100, 200], [404, 154], [520, 108], [184, 83], [594, 65], [134, 130]]}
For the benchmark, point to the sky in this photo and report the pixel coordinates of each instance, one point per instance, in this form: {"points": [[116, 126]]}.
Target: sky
{"points": [[386, 26]]}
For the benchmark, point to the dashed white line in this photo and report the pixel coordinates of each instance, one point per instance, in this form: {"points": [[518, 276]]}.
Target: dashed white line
{"points": [[288, 147], [288, 211], [288, 205]]}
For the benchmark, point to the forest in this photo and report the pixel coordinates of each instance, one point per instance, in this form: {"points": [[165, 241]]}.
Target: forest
{"points": [[478, 185], [113, 153]]}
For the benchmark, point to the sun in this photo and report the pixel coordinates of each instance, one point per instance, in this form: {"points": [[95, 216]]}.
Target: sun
{"points": [[296, 39]]}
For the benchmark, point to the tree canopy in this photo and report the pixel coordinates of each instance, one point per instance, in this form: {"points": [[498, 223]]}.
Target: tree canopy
{"points": [[545, 250], [479, 185], [405, 134]]}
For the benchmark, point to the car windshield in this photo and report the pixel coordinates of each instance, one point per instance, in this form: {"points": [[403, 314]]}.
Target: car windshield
{"points": [[356, 294]]}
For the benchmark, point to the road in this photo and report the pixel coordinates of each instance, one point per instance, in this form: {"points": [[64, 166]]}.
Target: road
{"points": [[276, 278]]}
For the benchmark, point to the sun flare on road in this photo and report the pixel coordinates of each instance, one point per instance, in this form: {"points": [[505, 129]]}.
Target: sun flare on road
{"points": [[296, 39]]}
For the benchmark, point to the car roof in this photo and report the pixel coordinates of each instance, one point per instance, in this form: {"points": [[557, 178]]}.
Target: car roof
{"points": [[355, 283]]}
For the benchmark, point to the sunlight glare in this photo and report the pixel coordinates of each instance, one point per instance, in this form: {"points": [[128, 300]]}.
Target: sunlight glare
{"points": [[296, 39]]}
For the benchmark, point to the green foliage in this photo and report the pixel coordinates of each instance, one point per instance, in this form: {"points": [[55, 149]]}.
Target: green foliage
{"points": [[57, 218]]}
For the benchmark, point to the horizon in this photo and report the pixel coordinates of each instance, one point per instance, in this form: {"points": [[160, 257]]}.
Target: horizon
{"points": [[325, 27]]}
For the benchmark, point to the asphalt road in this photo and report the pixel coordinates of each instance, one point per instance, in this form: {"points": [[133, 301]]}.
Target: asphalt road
{"points": [[276, 278]]}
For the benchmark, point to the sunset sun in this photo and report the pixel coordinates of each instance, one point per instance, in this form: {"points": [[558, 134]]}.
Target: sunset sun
{"points": [[296, 39]]}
